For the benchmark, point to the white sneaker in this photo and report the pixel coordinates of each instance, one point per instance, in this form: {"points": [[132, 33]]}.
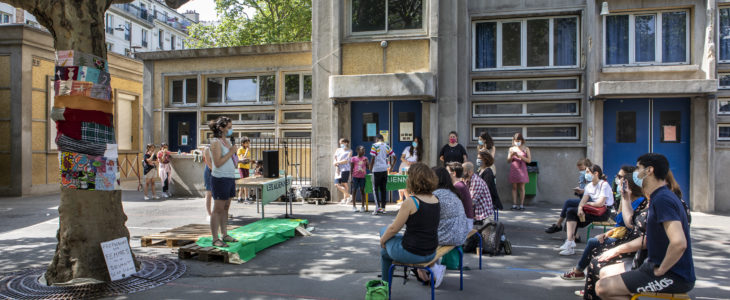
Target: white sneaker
{"points": [[354, 209], [146, 198], [569, 251], [166, 195], [439, 271], [567, 244], [156, 197]]}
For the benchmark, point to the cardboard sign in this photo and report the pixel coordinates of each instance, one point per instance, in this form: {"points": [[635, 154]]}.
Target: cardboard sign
{"points": [[118, 258], [274, 189]]}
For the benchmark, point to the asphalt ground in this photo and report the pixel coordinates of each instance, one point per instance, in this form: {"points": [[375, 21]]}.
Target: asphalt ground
{"points": [[343, 253]]}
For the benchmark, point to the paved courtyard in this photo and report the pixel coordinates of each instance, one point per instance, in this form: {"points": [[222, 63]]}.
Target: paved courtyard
{"points": [[342, 255]]}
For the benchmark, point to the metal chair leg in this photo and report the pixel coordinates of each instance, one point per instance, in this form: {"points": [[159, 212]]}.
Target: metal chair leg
{"points": [[461, 269], [390, 278], [480, 250], [433, 293]]}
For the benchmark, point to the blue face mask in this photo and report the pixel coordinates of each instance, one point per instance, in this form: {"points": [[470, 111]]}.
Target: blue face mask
{"points": [[342, 146], [230, 132], [637, 180], [481, 143], [589, 176], [414, 144]]}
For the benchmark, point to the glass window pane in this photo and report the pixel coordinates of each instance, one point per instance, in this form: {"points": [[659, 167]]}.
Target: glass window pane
{"points": [[405, 14], [724, 107], [486, 45], [538, 42], [307, 86], [552, 132], [266, 117], [298, 115], [511, 41], [724, 80], [211, 117], [498, 86], [626, 127], [498, 109], [552, 84], [670, 122], [267, 88], [214, 90], [241, 89], [191, 90], [724, 34], [674, 36], [724, 132], [368, 15], [645, 43], [552, 108], [617, 40], [370, 127], [498, 132], [291, 87], [297, 134], [565, 48], [177, 91]]}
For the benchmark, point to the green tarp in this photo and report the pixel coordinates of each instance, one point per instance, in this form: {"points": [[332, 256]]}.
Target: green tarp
{"points": [[255, 237]]}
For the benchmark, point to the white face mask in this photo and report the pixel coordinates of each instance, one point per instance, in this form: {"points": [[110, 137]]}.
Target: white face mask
{"points": [[518, 143]]}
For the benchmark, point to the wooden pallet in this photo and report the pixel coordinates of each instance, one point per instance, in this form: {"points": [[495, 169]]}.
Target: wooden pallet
{"points": [[203, 253], [179, 236]]}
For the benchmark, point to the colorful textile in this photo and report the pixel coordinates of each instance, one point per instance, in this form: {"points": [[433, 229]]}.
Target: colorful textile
{"points": [[84, 102], [380, 152], [88, 172], [255, 237], [65, 58], [66, 73], [80, 115], [70, 129], [101, 92], [97, 133], [360, 166], [68, 144], [481, 197]]}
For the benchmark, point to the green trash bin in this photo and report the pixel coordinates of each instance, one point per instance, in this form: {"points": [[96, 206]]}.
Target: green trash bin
{"points": [[532, 170]]}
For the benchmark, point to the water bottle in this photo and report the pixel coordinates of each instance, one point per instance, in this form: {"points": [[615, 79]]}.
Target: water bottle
{"points": [[178, 152]]}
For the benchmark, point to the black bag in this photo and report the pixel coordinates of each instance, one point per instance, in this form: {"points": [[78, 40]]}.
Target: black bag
{"points": [[316, 192], [471, 244], [492, 234]]}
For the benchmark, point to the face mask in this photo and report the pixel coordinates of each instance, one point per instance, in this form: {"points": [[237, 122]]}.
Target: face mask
{"points": [[518, 144], [481, 143], [589, 176], [637, 180], [230, 132], [452, 140], [414, 144], [342, 146]]}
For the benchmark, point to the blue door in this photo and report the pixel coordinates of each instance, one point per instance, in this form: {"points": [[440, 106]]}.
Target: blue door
{"points": [[368, 119], [406, 125], [182, 131], [633, 127]]}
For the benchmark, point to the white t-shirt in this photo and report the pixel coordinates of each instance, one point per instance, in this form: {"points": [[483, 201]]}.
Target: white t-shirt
{"points": [[604, 189], [410, 158], [343, 154], [380, 153]]}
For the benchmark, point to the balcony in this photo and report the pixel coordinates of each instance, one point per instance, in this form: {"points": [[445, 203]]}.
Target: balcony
{"points": [[173, 21], [136, 12]]}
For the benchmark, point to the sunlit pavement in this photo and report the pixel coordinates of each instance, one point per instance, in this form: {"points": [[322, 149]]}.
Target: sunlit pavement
{"points": [[343, 253]]}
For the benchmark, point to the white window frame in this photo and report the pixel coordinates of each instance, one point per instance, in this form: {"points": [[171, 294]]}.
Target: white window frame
{"points": [[523, 43], [223, 91], [184, 92], [719, 138], [524, 86], [301, 88], [524, 132], [287, 121], [524, 109], [719, 102], [658, 55], [3, 15], [284, 132], [241, 121], [348, 14]]}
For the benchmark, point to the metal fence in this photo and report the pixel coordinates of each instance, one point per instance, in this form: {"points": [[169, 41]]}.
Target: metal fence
{"points": [[299, 156]]}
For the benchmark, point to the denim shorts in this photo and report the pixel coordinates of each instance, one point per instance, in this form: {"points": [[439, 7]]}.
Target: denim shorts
{"points": [[223, 188], [206, 178], [358, 183]]}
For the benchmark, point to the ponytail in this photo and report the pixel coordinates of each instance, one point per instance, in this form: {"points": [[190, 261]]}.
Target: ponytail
{"points": [[597, 168]]}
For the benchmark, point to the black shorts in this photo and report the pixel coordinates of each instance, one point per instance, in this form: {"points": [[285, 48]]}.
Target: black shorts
{"points": [[642, 280], [223, 188], [344, 177]]}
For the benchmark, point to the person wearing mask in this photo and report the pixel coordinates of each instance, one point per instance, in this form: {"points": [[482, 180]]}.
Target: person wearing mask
{"points": [[342, 173], [582, 165], [411, 155], [163, 158], [223, 179], [382, 159], [453, 151], [486, 173], [479, 191], [486, 143], [150, 163], [518, 157]]}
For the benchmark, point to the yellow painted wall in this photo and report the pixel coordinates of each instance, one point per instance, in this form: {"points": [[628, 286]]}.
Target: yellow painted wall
{"points": [[400, 57]]}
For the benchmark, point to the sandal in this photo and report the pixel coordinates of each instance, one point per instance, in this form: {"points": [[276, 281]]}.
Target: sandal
{"points": [[229, 239], [220, 243]]}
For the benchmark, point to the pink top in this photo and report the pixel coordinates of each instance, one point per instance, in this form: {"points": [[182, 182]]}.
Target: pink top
{"points": [[360, 166]]}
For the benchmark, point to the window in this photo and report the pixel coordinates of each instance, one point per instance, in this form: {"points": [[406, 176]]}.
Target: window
{"points": [[537, 85], [530, 132], [184, 91], [127, 52], [724, 80], [297, 117], [211, 117], [626, 127], [514, 109], [144, 38], [385, 15], [526, 43], [161, 39], [298, 87], [127, 31], [172, 42], [257, 117], [109, 47], [110, 24], [297, 134], [125, 117], [723, 132], [655, 38], [723, 106], [724, 34], [230, 90]]}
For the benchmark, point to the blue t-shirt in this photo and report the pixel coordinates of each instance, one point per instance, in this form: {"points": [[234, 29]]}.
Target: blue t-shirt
{"points": [[620, 216], [664, 207]]}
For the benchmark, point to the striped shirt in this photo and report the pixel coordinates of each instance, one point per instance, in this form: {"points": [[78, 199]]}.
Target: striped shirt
{"points": [[380, 152]]}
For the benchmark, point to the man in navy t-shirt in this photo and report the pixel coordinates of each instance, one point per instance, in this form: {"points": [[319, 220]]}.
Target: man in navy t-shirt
{"points": [[669, 267]]}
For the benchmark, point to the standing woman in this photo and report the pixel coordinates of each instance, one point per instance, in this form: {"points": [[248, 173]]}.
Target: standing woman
{"points": [[206, 178], [518, 157], [487, 144], [150, 163], [342, 174], [223, 179], [163, 157], [453, 151], [411, 155]]}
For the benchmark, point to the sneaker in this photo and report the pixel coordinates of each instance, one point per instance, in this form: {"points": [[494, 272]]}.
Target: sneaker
{"points": [[522, 207], [375, 212], [554, 228], [580, 293], [354, 209], [567, 244], [566, 252], [165, 195], [514, 207], [381, 210], [146, 198], [438, 275], [573, 275]]}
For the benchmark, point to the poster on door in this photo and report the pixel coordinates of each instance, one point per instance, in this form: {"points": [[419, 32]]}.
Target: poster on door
{"points": [[386, 135], [406, 132]]}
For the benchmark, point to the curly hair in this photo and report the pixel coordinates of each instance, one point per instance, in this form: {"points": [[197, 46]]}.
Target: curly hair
{"points": [[218, 125], [421, 179], [487, 158]]}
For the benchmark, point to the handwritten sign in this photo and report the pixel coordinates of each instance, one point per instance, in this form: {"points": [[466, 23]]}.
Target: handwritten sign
{"points": [[274, 189], [118, 258]]}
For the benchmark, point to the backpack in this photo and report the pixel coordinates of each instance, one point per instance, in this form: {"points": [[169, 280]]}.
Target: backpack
{"points": [[316, 192], [494, 239], [376, 290]]}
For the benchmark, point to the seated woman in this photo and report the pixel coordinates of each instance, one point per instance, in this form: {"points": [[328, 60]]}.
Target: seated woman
{"points": [[624, 223], [486, 172], [597, 194], [420, 214]]}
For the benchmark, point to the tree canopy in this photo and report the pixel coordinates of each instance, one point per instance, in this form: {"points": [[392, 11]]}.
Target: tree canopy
{"points": [[269, 22]]}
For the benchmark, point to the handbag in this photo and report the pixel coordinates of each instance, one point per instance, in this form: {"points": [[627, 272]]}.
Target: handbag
{"points": [[592, 210]]}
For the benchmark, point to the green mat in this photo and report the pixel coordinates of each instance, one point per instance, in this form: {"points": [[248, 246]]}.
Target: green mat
{"points": [[255, 237]]}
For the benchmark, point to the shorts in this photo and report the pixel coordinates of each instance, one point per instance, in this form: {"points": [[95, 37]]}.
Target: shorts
{"points": [[243, 172], [358, 183], [151, 174], [642, 280], [223, 188], [206, 178], [344, 177]]}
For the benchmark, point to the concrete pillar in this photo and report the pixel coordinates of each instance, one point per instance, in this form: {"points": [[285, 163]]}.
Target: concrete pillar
{"points": [[702, 167], [148, 104]]}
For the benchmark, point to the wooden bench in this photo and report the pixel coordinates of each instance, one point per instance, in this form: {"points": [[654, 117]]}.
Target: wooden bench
{"points": [[605, 224], [440, 252], [661, 296]]}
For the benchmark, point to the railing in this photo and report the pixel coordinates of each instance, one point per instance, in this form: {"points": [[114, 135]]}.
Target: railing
{"points": [[136, 11], [127, 168], [173, 21], [299, 152]]}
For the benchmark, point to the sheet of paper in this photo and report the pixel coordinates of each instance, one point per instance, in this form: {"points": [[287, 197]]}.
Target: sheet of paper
{"points": [[670, 133]]}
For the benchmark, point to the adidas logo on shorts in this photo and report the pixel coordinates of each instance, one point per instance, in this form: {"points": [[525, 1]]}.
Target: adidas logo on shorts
{"points": [[656, 285]]}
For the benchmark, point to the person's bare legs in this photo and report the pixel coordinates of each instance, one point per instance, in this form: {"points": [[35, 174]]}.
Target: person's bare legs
{"points": [[346, 187], [522, 194], [570, 229], [208, 200], [612, 288], [146, 185], [612, 270], [219, 212], [514, 194], [224, 223], [343, 191]]}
